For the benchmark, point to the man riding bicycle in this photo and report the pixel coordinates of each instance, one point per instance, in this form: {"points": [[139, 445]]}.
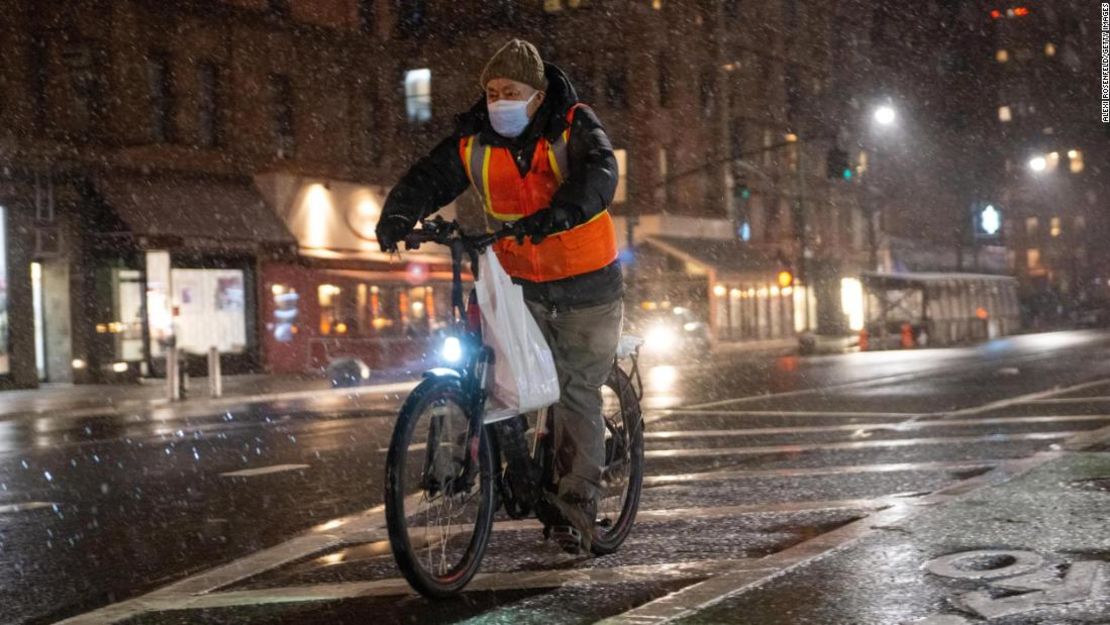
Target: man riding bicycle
{"points": [[539, 158]]}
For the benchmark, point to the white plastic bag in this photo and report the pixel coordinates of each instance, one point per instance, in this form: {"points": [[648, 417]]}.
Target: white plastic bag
{"points": [[524, 377]]}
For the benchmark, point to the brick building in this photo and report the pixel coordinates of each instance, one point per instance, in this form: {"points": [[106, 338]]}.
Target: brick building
{"points": [[212, 170]]}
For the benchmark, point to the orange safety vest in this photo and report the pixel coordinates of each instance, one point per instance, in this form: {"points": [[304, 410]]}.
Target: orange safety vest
{"points": [[507, 196]]}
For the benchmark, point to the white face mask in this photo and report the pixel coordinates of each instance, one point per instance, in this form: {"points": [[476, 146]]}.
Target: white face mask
{"points": [[509, 117]]}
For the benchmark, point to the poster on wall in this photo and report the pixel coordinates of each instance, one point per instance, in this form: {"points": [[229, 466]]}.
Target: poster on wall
{"points": [[211, 311], [229, 293]]}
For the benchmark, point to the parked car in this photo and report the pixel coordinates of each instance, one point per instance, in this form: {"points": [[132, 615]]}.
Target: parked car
{"points": [[1093, 315]]}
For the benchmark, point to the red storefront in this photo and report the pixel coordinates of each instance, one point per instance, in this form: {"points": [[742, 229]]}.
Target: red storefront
{"points": [[342, 297]]}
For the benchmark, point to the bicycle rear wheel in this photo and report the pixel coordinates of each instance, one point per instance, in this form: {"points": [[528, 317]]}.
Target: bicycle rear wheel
{"points": [[439, 515], [623, 473]]}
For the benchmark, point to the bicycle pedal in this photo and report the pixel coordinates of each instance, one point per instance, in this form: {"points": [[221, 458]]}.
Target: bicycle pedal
{"points": [[569, 539]]}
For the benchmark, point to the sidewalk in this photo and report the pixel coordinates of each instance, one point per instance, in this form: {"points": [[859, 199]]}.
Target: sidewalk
{"points": [[93, 399], [1034, 549]]}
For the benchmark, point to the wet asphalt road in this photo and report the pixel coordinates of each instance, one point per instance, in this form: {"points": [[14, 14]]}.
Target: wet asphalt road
{"points": [[756, 453]]}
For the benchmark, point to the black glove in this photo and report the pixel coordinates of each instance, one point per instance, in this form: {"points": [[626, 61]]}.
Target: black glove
{"points": [[542, 223], [391, 230]]}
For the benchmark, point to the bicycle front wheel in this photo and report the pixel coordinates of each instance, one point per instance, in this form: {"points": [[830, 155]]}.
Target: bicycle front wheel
{"points": [[438, 507], [623, 474]]}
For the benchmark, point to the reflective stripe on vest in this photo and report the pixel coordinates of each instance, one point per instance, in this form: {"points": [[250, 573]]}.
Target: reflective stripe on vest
{"points": [[476, 158]]}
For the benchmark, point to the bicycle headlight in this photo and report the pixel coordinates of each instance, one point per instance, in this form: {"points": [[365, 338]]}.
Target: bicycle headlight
{"points": [[452, 349]]}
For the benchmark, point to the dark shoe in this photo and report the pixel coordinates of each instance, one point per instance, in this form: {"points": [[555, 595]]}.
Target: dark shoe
{"points": [[576, 533]]}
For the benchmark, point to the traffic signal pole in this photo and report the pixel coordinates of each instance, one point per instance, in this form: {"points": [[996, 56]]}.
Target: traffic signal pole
{"points": [[803, 237]]}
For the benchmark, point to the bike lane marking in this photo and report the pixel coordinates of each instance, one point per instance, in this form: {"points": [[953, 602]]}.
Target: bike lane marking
{"points": [[868, 427], [739, 474], [690, 600], [912, 375], [1069, 400], [275, 468], [852, 445], [26, 506]]}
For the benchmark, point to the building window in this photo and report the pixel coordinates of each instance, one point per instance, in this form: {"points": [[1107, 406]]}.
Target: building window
{"points": [[732, 8], [657, 5], [283, 115], [552, 6], [208, 105], [1050, 49], [371, 126], [1004, 114], [1030, 227], [621, 194], [84, 68], [160, 95], [504, 11], [706, 89], [418, 95], [736, 142], [664, 78], [793, 86], [1002, 56], [1080, 222], [1033, 258], [790, 12], [366, 16], [616, 88], [412, 16], [279, 8], [1054, 227], [1075, 161]]}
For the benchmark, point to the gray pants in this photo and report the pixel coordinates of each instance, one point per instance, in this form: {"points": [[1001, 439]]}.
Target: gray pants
{"points": [[584, 342]]}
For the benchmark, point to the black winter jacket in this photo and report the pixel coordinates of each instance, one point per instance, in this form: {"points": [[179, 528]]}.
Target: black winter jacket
{"points": [[440, 177]]}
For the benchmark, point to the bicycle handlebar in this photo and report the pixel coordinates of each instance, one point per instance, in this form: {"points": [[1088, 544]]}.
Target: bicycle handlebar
{"points": [[445, 232]]}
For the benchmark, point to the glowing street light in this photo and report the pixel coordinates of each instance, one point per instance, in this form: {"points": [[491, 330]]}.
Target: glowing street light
{"points": [[1038, 163], [884, 115]]}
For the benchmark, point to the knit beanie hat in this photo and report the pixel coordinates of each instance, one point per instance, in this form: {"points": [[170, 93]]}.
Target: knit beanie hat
{"points": [[517, 60]]}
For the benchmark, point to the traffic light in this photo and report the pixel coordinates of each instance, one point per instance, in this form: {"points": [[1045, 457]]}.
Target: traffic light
{"points": [[837, 165]]}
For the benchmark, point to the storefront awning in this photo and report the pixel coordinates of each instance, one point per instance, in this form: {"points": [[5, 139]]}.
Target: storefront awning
{"points": [[195, 213], [334, 220], [727, 259]]}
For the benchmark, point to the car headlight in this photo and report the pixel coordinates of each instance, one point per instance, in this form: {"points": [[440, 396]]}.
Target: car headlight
{"points": [[452, 349], [661, 338]]}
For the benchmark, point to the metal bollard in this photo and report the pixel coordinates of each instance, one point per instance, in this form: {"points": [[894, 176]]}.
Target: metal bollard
{"points": [[215, 381], [173, 382]]}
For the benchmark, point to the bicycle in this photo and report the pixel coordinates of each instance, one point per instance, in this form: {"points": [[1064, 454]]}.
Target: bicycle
{"points": [[448, 466]]}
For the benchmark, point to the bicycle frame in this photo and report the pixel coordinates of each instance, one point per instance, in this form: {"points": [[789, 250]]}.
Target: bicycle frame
{"points": [[527, 464]]}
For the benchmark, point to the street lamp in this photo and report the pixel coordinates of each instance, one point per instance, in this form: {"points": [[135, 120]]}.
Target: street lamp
{"points": [[1038, 163], [884, 115]]}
